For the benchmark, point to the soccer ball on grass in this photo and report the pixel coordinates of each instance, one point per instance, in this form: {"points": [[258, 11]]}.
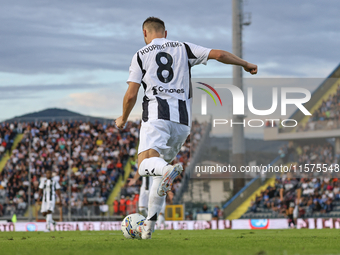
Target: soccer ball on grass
{"points": [[129, 225]]}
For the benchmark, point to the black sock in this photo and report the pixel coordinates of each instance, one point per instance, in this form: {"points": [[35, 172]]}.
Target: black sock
{"points": [[154, 218], [291, 219]]}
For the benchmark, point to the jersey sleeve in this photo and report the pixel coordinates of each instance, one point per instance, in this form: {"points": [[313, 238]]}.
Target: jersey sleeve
{"points": [[197, 54], [41, 184], [135, 71]]}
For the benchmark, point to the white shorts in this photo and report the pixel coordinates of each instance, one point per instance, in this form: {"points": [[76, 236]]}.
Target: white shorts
{"points": [[164, 136], [47, 206]]}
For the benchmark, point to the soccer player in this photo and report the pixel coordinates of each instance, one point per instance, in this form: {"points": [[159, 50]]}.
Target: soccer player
{"points": [[162, 67], [290, 194], [48, 188]]}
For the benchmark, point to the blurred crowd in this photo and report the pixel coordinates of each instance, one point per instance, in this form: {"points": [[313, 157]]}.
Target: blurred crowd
{"points": [[306, 196], [326, 116], [7, 135], [310, 153], [95, 153], [305, 193]]}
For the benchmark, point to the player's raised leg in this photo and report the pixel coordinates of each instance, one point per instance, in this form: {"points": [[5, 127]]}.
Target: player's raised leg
{"points": [[153, 165]]}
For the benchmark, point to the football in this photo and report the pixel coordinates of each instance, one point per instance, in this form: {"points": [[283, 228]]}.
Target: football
{"points": [[130, 224]]}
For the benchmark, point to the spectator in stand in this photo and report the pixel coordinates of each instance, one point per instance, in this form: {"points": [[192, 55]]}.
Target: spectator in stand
{"points": [[85, 206], [205, 209], [216, 212], [122, 205], [290, 192], [7, 135]]}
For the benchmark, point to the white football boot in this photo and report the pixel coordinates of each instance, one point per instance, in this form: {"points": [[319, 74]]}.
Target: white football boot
{"points": [[168, 178], [47, 228], [54, 225], [145, 230]]}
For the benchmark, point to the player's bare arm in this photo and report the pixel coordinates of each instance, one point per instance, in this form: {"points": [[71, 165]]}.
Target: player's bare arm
{"points": [[229, 58], [132, 181], [129, 102]]}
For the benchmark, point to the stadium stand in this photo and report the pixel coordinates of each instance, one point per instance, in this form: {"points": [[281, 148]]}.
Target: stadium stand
{"points": [[7, 135], [319, 194], [326, 116], [319, 198], [324, 107], [98, 153]]}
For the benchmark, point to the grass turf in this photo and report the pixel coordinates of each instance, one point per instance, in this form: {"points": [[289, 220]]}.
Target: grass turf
{"points": [[260, 242]]}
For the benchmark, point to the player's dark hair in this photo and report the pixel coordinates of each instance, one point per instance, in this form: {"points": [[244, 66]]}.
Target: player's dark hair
{"points": [[154, 24]]}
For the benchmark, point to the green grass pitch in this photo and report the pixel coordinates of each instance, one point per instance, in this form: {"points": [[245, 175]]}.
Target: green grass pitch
{"points": [[211, 242]]}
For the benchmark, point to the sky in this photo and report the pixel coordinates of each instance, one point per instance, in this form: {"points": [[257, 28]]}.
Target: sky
{"points": [[75, 54]]}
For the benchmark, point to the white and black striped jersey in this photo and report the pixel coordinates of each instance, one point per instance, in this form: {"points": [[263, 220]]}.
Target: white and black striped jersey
{"points": [[49, 186], [163, 68]]}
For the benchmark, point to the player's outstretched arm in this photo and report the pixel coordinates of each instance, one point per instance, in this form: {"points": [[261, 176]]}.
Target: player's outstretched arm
{"points": [[229, 58], [129, 102]]}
